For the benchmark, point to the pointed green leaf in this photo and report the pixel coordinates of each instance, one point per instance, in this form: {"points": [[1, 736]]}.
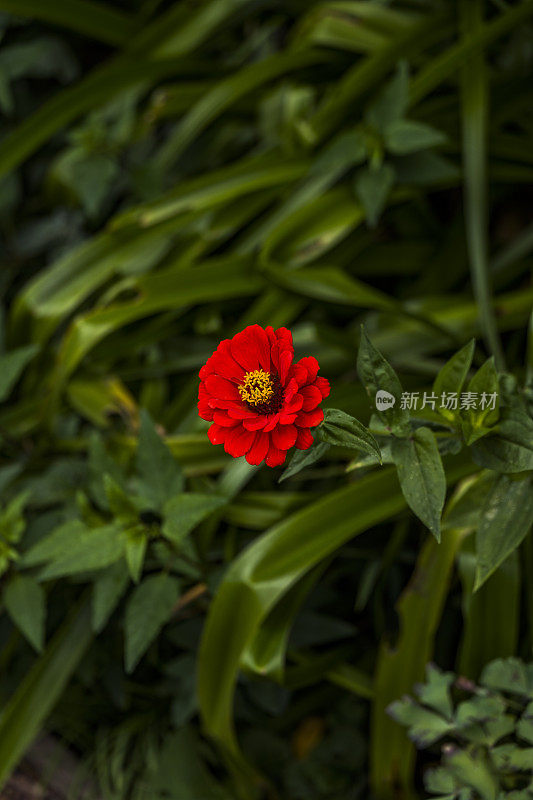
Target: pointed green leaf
{"points": [[121, 506], [25, 602], [483, 390], [450, 380], [505, 519], [92, 548], [379, 377], [391, 103], [341, 429], [160, 474], [183, 513], [300, 459], [26, 711], [421, 476], [136, 543], [148, 608], [405, 136], [12, 365], [108, 588], [372, 187]]}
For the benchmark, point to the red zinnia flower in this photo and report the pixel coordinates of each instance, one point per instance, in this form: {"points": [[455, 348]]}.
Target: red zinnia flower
{"points": [[260, 403]]}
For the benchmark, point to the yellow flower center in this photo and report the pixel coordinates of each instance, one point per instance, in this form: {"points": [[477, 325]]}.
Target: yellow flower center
{"points": [[257, 389]]}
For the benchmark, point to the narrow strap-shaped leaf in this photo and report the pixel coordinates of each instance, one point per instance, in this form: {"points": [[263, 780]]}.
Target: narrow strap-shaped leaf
{"points": [[491, 615], [98, 20], [474, 103], [23, 716], [266, 570], [392, 756]]}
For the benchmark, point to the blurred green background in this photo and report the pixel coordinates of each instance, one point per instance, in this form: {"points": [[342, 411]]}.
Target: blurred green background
{"points": [[171, 172]]}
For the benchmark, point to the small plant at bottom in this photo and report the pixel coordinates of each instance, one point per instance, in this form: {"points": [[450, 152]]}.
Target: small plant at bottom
{"points": [[485, 731]]}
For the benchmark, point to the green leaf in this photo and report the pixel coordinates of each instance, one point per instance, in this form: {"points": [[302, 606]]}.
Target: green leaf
{"points": [[435, 693], [121, 506], [525, 726], [100, 465], [425, 727], [181, 765], [451, 377], [492, 614], [160, 474], [421, 476], [510, 758], [341, 429], [507, 675], [474, 85], [407, 136], [399, 666], [381, 381], [347, 150], [55, 544], [510, 448], [136, 543], [438, 780], [505, 519], [98, 20], [25, 713], [89, 176], [300, 459], [108, 588], [183, 513], [12, 365], [12, 522], [472, 770], [483, 391], [330, 284], [372, 187], [391, 103], [93, 548], [25, 602], [148, 608]]}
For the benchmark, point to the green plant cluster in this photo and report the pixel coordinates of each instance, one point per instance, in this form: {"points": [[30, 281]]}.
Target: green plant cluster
{"points": [[487, 736], [172, 171]]}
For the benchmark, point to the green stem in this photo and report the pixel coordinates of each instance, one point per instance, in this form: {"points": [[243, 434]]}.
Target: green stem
{"points": [[474, 99]]}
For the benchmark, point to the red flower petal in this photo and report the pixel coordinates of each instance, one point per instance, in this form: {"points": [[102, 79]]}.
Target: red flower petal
{"points": [[238, 441], [259, 448], [257, 423], [304, 440], [222, 419], [284, 436], [286, 419], [308, 419], [272, 421], [221, 389], [251, 348], [322, 384], [217, 434], [204, 410], [312, 397], [311, 365], [275, 457], [224, 364]]}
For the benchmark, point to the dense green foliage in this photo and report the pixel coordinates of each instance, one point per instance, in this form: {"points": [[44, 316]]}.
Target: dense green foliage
{"points": [[488, 734], [358, 171]]}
